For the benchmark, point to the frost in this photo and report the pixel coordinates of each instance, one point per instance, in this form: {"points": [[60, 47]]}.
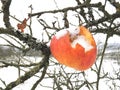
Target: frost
{"points": [[83, 42]]}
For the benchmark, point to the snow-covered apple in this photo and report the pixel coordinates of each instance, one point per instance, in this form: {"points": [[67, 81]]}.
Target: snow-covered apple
{"points": [[75, 48]]}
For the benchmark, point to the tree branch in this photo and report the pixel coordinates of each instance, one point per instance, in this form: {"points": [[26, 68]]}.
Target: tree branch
{"points": [[103, 19], [28, 74], [28, 39], [32, 43], [42, 76], [5, 7], [65, 9]]}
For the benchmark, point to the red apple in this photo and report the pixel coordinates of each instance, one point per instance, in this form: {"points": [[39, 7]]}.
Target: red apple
{"points": [[75, 48]]}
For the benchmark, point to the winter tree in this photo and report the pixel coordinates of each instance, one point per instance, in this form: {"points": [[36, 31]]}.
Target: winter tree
{"points": [[26, 62]]}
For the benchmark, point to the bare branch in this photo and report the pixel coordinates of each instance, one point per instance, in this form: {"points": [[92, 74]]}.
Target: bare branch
{"points": [[29, 74], [65, 9], [28, 39], [41, 78], [5, 7]]}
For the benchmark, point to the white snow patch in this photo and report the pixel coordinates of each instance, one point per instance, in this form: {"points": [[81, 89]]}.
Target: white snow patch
{"points": [[83, 42], [73, 32], [61, 33], [74, 35]]}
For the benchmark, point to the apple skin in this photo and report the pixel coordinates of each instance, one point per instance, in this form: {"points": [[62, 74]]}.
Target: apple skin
{"points": [[77, 57]]}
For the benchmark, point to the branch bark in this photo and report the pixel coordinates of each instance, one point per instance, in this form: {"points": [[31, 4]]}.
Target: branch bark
{"points": [[5, 7], [28, 74], [65, 9]]}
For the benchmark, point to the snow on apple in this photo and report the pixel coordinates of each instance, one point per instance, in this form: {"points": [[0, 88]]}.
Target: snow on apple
{"points": [[75, 48]]}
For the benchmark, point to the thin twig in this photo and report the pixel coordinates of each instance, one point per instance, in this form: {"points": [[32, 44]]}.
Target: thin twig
{"points": [[101, 61]]}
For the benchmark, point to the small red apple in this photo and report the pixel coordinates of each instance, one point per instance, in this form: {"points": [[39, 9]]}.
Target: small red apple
{"points": [[75, 48]]}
